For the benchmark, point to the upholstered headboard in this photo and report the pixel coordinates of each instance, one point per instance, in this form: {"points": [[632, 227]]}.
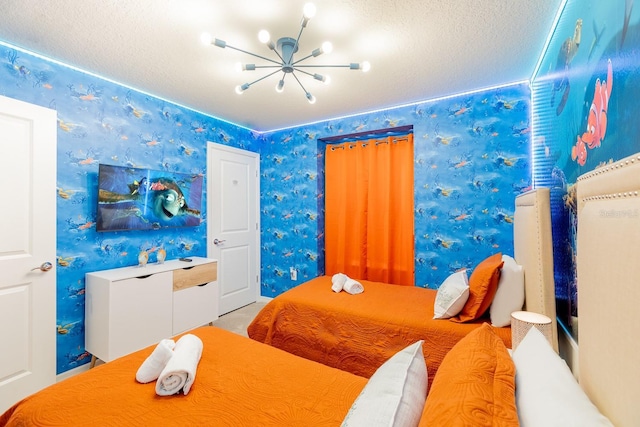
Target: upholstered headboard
{"points": [[608, 262], [533, 250]]}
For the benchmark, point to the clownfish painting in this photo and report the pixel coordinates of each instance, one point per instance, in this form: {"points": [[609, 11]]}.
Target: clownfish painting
{"points": [[597, 120]]}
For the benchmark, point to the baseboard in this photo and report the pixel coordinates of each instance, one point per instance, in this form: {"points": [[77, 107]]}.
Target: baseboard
{"points": [[70, 373], [263, 299]]}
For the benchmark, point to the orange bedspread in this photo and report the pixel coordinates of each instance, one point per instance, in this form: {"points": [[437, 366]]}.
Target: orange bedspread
{"points": [[239, 382], [358, 333]]}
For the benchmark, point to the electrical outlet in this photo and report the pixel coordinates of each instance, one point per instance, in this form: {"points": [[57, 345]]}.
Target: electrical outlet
{"points": [[293, 273]]}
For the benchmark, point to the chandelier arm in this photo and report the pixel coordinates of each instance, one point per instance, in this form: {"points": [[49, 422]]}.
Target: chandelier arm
{"points": [[279, 56], [323, 66], [254, 54], [269, 66], [295, 46], [303, 71], [300, 83], [263, 77], [302, 59]]}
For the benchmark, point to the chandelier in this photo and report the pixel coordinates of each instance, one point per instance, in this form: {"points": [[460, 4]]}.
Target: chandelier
{"points": [[285, 48]]}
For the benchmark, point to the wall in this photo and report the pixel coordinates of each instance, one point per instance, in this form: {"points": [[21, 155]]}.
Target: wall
{"points": [[103, 122], [471, 154], [471, 159], [584, 117]]}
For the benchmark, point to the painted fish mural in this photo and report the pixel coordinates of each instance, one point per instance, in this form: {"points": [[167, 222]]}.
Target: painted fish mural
{"points": [[566, 54], [597, 119]]}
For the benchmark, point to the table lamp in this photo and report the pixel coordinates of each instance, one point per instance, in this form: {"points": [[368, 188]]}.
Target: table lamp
{"points": [[522, 321]]}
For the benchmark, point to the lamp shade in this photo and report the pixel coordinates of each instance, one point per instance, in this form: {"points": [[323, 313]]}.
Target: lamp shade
{"points": [[522, 321]]}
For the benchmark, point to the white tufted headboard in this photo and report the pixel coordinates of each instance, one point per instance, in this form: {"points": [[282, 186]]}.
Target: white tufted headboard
{"points": [[533, 249], [608, 263]]}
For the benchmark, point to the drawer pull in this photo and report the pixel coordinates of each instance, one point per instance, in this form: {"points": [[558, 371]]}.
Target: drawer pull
{"points": [[144, 277], [204, 284], [188, 268]]}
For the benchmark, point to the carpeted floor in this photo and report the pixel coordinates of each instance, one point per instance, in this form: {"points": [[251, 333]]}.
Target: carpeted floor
{"points": [[238, 320]]}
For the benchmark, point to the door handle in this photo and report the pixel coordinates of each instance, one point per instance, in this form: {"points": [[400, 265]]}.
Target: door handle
{"points": [[217, 242], [45, 266]]}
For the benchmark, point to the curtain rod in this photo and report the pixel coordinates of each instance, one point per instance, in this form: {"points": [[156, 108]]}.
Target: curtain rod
{"points": [[396, 131]]}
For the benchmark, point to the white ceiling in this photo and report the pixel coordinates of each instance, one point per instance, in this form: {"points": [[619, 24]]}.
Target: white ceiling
{"points": [[418, 49]]}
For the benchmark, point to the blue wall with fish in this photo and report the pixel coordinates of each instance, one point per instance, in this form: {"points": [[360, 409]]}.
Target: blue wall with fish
{"points": [[471, 155], [471, 159], [103, 122], [585, 108]]}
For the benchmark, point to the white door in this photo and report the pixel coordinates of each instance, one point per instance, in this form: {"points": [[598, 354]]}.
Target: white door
{"points": [[233, 223], [27, 242]]}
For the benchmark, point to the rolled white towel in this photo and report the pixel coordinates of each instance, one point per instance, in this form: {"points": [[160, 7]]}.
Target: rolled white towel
{"points": [[180, 372], [338, 280], [154, 364], [353, 287]]}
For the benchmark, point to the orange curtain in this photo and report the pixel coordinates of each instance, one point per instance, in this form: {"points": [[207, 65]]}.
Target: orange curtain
{"points": [[369, 210]]}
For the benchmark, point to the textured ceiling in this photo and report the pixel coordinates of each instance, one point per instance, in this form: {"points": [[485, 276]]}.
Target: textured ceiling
{"points": [[418, 49]]}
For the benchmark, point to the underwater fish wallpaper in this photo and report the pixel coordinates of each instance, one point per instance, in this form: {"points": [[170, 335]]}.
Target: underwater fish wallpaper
{"points": [[585, 108], [104, 123], [473, 153], [471, 158]]}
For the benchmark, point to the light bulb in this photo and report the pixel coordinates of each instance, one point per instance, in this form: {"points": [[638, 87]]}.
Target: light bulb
{"points": [[238, 66], [206, 38], [366, 66], [241, 89], [309, 10], [327, 80], [264, 36], [311, 98], [280, 86], [327, 47]]}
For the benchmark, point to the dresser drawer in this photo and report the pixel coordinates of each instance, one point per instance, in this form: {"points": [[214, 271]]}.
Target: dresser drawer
{"points": [[138, 309], [194, 306], [193, 276]]}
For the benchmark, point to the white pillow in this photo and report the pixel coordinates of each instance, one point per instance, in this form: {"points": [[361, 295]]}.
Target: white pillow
{"points": [[510, 294], [547, 394], [452, 294], [395, 393]]}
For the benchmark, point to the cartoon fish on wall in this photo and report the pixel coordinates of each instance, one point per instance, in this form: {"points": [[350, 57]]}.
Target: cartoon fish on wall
{"points": [[597, 120], [566, 54], [628, 7]]}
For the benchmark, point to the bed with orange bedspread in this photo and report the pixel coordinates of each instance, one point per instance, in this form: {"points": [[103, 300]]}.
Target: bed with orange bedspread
{"points": [[239, 382], [358, 333]]}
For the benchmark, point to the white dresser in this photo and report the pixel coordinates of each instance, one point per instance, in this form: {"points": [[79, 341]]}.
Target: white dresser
{"points": [[129, 308]]}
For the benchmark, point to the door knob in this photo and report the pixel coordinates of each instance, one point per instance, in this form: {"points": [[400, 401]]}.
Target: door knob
{"points": [[45, 266], [217, 242]]}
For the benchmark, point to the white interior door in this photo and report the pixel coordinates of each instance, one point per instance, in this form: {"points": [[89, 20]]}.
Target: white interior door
{"points": [[27, 241], [233, 223]]}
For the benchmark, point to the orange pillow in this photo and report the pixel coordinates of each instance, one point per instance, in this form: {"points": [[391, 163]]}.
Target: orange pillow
{"points": [[474, 385], [483, 285]]}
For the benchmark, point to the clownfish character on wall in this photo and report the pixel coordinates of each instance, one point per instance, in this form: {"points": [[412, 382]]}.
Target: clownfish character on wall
{"points": [[597, 120]]}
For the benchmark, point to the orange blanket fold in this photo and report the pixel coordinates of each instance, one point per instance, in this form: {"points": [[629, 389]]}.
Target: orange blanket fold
{"points": [[240, 382], [358, 333]]}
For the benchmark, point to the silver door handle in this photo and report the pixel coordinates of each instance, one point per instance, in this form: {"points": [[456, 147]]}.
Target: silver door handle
{"points": [[217, 242], [45, 266]]}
